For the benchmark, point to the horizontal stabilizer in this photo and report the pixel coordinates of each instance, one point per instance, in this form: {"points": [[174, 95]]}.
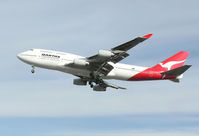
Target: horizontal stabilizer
{"points": [[175, 80], [177, 71]]}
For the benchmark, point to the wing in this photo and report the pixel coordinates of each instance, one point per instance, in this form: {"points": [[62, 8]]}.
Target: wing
{"points": [[113, 86], [128, 45], [99, 63]]}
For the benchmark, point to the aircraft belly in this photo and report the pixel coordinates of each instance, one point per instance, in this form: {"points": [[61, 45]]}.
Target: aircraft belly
{"points": [[75, 71]]}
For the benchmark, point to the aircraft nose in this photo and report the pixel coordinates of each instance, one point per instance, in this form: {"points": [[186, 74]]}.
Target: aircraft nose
{"points": [[25, 56], [19, 56]]}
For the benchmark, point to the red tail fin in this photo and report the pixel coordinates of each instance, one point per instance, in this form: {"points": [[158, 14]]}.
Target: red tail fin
{"points": [[173, 62]]}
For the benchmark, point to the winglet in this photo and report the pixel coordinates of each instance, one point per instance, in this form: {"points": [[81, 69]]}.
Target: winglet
{"points": [[147, 36]]}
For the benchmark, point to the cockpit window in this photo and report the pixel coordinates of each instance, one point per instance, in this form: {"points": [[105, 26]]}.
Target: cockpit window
{"points": [[31, 49]]}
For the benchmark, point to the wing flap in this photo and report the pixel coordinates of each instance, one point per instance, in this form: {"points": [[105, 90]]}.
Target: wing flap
{"points": [[104, 69], [119, 57], [113, 86]]}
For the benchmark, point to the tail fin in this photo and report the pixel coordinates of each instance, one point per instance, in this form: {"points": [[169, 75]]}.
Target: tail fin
{"points": [[173, 62]]}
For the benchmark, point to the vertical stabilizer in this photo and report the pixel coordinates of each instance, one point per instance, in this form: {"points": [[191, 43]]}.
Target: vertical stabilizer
{"points": [[173, 62]]}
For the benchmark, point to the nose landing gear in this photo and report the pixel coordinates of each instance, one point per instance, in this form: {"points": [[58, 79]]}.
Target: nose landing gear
{"points": [[33, 69]]}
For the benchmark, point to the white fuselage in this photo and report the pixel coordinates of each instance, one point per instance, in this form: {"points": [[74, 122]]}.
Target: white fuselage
{"points": [[61, 61]]}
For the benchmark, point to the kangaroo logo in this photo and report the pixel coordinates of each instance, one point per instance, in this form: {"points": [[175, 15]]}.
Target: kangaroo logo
{"points": [[169, 64]]}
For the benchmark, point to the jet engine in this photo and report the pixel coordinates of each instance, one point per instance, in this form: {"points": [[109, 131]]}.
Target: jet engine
{"points": [[99, 88], [80, 62], [79, 81], [105, 53]]}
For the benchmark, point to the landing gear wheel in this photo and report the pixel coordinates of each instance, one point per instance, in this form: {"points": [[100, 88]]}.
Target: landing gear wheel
{"points": [[91, 84], [33, 69]]}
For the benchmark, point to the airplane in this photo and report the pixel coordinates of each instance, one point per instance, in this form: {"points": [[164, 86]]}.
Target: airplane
{"points": [[94, 70]]}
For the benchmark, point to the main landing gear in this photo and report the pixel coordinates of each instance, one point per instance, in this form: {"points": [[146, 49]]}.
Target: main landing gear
{"points": [[33, 69], [91, 84], [96, 80]]}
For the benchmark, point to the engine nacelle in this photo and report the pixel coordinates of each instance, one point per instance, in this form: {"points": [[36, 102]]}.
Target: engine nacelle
{"points": [[80, 62], [99, 88], [79, 82], [105, 53]]}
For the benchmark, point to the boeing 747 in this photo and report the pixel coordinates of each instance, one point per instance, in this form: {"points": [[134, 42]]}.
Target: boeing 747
{"points": [[104, 65]]}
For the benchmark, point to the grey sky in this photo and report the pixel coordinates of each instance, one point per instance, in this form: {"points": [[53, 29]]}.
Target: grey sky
{"points": [[84, 27]]}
